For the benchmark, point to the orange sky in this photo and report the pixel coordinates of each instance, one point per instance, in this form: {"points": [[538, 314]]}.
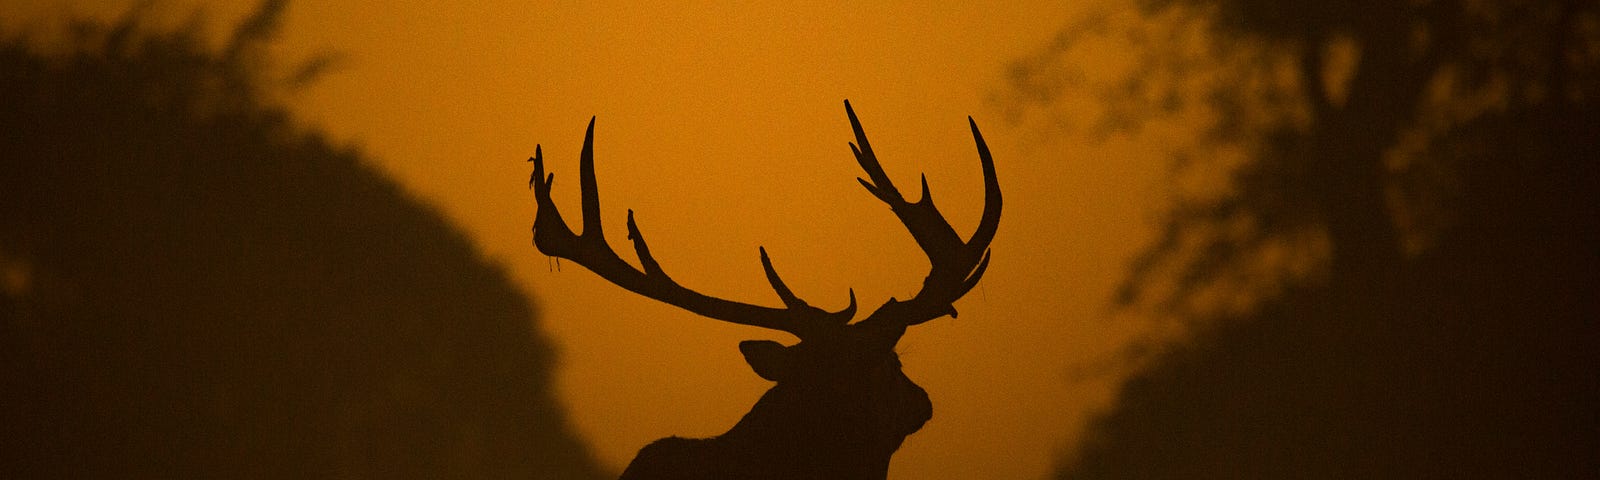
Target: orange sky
{"points": [[723, 127]]}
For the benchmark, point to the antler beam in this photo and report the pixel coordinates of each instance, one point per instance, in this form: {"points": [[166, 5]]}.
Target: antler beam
{"points": [[553, 237], [956, 265]]}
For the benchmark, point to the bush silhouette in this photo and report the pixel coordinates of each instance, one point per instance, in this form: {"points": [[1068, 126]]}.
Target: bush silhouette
{"points": [[193, 287]]}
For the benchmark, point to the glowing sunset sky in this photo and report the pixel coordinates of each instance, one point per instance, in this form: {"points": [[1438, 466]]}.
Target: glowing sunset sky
{"points": [[722, 126]]}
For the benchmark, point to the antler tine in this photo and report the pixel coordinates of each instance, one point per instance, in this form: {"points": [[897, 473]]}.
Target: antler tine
{"points": [[922, 218], [795, 303], [989, 222], [589, 187], [552, 236], [955, 265]]}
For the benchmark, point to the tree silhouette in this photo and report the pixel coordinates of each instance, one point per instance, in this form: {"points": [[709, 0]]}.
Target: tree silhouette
{"points": [[193, 287], [1393, 271]]}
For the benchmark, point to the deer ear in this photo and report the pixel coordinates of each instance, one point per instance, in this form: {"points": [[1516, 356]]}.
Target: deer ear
{"points": [[768, 358]]}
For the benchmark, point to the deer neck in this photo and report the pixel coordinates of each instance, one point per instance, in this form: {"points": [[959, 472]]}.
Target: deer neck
{"points": [[787, 433]]}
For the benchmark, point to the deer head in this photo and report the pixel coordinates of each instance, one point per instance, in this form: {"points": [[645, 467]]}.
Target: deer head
{"points": [[841, 405]]}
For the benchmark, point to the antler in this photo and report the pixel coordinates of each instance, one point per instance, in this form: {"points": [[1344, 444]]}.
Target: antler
{"points": [[956, 265], [553, 237]]}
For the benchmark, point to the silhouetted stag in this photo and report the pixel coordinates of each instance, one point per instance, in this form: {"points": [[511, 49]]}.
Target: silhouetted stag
{"points": [[841, 406]]}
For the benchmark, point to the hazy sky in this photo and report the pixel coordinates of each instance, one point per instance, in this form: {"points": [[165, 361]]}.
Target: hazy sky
{"points": [[722, 127]]}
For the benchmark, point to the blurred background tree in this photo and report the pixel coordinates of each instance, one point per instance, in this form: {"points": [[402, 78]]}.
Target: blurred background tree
{"points": [[1383, 242], [195, 287]]}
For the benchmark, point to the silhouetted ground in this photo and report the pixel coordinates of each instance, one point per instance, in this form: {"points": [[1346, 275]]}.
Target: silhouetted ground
{"points": [[196, 288]]}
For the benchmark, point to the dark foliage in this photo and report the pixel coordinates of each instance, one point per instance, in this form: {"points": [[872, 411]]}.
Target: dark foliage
{"points": [[194, 288], [1449, 185], [1476, 359]]}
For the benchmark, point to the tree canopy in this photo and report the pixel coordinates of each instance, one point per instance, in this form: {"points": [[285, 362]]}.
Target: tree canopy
{"points": [[195, 287], [1390, 264]]}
